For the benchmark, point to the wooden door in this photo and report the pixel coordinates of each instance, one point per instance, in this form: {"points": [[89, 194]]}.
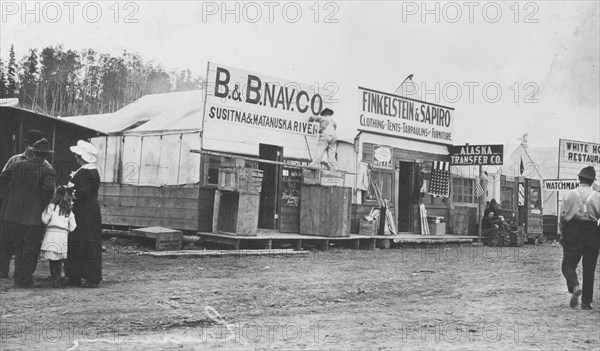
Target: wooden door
{"points": [[268, 213], [405, 194], [291, 181], [533, 207]]}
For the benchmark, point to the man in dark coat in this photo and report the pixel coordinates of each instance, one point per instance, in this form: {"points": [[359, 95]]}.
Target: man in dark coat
{"points": [[7, 248], [33, 135], [28, 186]]}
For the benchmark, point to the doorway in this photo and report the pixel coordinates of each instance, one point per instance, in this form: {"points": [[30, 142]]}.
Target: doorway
{"points": [[268, 213], [405, 196]]}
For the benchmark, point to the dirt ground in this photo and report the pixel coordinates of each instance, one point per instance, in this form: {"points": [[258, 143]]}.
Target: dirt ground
{"points": [[412, 298]]}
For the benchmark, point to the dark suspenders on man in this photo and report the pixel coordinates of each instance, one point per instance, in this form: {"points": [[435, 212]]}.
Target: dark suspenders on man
{"points": [[581, 240]]}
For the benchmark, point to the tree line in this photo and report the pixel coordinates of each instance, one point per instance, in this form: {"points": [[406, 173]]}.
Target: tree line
{"points": [[61, 82]]}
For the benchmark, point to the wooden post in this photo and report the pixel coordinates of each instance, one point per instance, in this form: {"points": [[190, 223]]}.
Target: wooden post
{"points": [[480, 207], [558, 231]]}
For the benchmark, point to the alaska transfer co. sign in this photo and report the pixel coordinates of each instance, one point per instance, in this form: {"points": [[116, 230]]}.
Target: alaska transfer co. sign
{"points": [[483, 155]]}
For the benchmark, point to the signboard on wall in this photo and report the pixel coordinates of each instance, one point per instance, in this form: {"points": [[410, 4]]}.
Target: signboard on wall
{"points": [[574, 155], [402, 117], [485, 155], [244, 109], [560, 184], [382, 157]]}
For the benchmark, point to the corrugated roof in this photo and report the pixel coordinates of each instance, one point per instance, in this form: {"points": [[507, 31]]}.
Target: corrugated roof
{"points": [[157, 112]]}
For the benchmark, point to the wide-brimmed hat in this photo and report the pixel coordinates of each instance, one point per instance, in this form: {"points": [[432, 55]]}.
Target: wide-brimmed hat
{"points": [[42, 146], [327, 112], [33, 135], [588, 173], [86, 150]]}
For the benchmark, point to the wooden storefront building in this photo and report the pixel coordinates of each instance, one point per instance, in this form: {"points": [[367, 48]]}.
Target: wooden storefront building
{"points": [[152, 177]]}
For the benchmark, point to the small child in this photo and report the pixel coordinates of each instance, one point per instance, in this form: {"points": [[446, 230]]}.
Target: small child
{"points": [[59, 221]]}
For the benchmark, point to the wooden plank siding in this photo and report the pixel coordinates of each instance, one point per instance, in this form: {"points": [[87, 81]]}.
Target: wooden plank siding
{"points": [[177, 207]]}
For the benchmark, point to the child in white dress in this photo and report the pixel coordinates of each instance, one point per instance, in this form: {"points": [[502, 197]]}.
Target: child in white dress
{"points": [[59, 221]]}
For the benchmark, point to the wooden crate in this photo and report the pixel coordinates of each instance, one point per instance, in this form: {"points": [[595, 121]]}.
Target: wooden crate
{"points": [[233, 162], [165, 238], [311, 176], [368, 227], [242, 180], [236, 213], [325, 210], [323, 177]]}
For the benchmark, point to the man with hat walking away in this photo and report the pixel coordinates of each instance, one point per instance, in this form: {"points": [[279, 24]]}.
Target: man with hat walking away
{"points": [[327, 139], [29, 186], [579, 220], [7, 242], [33, 135]]}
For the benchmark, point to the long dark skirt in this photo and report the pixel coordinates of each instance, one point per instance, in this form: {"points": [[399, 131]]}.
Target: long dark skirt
{"points": [[84, 258]]}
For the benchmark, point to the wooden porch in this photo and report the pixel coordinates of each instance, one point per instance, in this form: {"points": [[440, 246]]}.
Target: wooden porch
{"points": [[267, 239]]}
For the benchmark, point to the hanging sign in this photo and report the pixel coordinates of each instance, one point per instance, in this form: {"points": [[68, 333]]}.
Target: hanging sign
{"points": [[574, 155], [560, 184], [382, 157], [484, 155]]}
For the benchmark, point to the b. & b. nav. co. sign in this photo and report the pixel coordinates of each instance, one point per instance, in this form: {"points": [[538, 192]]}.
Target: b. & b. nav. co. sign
{"points": [[467, 155], [399, 116], [244, 109]]}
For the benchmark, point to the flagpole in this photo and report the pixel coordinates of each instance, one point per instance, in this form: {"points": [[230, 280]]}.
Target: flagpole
{"points": [[479, 209]]}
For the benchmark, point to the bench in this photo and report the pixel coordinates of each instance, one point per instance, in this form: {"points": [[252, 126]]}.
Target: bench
{"points": [[165, 238]]}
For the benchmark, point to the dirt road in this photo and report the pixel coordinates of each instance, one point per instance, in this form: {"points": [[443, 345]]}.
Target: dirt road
{"points": [[444, 298]]}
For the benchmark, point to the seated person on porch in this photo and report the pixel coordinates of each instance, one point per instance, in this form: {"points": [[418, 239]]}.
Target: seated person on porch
{"points": [[489, 227], [498, 218]]}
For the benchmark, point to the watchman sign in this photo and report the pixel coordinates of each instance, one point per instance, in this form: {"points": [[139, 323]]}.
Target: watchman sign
{"points": [[560, 184], [484, 155]]}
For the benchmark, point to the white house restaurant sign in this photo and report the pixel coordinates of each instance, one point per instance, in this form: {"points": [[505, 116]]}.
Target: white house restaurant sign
{"points": [[244, 108], [485, 155], [579, 152], [403, 117], [560, 184]]}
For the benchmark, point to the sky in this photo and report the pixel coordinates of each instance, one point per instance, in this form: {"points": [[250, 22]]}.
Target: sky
{"points": [[507, 68]]}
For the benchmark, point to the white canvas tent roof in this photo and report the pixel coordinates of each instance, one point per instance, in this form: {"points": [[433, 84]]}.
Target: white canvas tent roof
{"points": [[539, 162], [11, 102], [157, 112]]}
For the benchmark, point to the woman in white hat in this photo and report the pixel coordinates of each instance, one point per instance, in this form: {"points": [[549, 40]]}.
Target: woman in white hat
{"points": [[85, 242]]}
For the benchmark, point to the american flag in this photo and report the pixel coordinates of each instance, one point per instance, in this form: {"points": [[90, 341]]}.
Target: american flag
{"points": [[439, 184], [478, 188]]}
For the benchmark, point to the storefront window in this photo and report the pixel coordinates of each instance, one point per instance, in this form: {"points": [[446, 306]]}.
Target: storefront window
{"points": [[211, 166], [462, 190], [384, 182], [507, 197]]}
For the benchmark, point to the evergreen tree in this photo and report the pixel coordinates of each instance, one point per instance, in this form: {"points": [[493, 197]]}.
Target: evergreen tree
{"points": [[11, 88], [29, 79], [2, 80]]}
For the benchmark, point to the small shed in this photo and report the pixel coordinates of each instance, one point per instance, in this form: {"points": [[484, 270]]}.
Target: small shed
{"points": [[14, 124]]}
